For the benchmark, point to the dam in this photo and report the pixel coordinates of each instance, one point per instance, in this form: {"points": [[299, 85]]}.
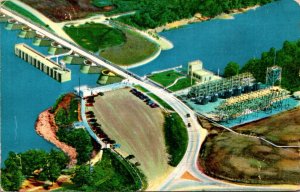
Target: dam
{"points": [[38, 60]]}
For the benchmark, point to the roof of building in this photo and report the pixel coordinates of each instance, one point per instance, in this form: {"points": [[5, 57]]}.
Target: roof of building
{"points": [[202, 72]]}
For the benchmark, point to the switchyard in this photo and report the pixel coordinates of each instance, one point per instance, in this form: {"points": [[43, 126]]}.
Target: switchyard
{"points": [[223, 88], [265, 100], [231, 101]]}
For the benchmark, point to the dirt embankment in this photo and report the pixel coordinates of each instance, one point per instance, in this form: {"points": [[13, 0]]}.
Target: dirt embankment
{"points": [[46, 127]]}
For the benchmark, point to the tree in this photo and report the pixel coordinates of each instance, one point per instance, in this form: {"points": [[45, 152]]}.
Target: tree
{"points": [[231, 69], [11, 181], [59, 158], [82, 176], [11, 176]]}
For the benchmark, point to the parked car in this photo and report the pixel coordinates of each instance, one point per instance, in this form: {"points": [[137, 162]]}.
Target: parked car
{"points": [[89, 112], [92, 120]]}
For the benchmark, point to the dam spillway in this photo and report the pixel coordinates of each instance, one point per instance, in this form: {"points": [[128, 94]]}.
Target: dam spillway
{"points": [[41, 62]]}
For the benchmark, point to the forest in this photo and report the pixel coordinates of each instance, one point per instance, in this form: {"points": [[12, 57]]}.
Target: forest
{"points": [[154, 13], [288, 57], [19, 166]]}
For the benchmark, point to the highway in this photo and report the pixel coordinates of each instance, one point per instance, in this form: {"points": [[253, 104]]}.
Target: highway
{"points": [[195, 132]]}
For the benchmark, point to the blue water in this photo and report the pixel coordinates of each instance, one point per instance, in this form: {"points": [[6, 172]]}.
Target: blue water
{"points": [[25, 92], [218, 42]]}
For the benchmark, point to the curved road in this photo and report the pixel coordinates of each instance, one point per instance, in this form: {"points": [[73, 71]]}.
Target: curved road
{"points": [[195, 132]]}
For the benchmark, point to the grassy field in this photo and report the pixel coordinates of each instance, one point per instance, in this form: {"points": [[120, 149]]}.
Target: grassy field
{"points": [[176, 138], [133, 124], [243, 159], [136, 49], [160, 101], [182, 84], [95, 36], [281, 129], [140, 88], [23, 12], [165, 78]]}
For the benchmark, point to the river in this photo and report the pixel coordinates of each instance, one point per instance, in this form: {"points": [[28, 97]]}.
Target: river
{"points": [[25, 91], [217, 42]]}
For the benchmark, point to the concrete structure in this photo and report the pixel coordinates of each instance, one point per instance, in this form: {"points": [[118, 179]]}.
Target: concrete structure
{"points": [[196, 71], [85, 91], [13, 25], [40, 61], [56, 49], [3, 18], [197, 135], [27, 33]]}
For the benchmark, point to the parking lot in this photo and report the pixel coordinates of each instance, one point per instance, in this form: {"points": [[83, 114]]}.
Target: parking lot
{"points": [[135, 123]]}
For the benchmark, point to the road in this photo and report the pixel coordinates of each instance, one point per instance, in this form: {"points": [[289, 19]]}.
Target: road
{"points": [[195, 132]]}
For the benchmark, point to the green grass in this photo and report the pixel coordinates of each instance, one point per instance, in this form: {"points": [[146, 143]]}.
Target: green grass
{"points": [[165, 78], [182, 84], [23, 12], [176, 138], [160, 101], [141, 88], [73, 110], [95, 36], [109, 174], [136, 49]]}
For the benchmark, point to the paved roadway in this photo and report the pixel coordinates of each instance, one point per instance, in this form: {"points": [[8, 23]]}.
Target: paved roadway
{"points": [[195, 132]]}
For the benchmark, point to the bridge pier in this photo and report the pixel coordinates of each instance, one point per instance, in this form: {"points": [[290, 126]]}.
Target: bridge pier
{"points": [[56, 49], [27, 33], [41, 41], [13, 25], [3, 18]]}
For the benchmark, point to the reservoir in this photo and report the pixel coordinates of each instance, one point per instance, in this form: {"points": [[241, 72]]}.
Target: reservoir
{"points": [[26, 91], [217, 42]]}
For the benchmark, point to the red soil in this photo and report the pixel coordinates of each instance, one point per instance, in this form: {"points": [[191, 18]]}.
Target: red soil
{"points": [[46, 127]]}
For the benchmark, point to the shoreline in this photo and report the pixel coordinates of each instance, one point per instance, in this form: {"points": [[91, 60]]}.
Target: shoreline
{"points": [[297, 1], [166, 44], [45, 127], [199, 18], [141, 63]]}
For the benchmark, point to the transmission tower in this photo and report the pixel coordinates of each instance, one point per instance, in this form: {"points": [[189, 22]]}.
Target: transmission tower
{"points": [[273, 75]]}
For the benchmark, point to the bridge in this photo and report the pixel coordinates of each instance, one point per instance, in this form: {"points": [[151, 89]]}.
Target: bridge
{"points": [[196, 133]]}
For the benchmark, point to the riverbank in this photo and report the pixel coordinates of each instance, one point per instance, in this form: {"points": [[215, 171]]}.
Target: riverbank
{"points": [[199, 18], [148, 60], [46, 127]]}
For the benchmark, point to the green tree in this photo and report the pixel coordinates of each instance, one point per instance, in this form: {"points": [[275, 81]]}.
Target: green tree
{"points": [[33, 160], [231, 69], [82, 176], [58, 157], [11, 176]]}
